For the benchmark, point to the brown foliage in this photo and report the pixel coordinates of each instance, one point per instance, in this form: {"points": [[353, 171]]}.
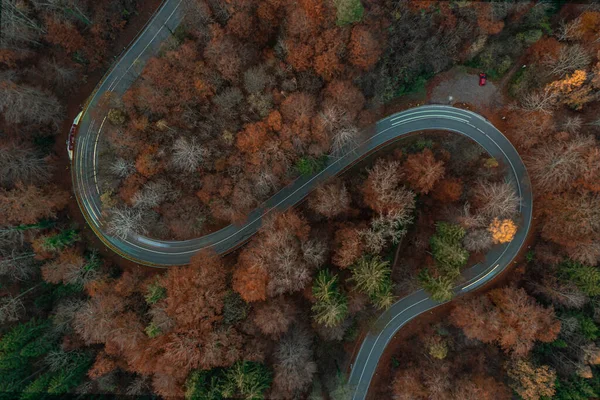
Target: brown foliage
{"points": [[102, 366], [223, 53], [64, 34], [252, 138], [28, 204], [275, 316], [130, 186], [531, 382], [365, 49], [348, 246], [571, 218], [344, 96], [147, 163], [509, 317], [250, 281], [279, 250], [195, 293], [423, 171], [68, 262], [448, 190]]}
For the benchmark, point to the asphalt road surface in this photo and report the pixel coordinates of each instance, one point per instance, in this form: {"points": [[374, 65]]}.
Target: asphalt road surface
{"points": [[160, 253]]}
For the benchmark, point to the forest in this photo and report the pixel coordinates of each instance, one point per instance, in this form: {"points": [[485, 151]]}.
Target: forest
{"points": [[242, 99]]}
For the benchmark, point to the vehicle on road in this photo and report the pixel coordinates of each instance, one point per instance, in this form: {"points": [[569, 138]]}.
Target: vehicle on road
{"points": [[482, 79], [72, 134]]}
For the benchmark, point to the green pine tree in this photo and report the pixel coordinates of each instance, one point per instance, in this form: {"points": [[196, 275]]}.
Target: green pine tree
{"points": [[331, 307], [372, 276], [440, 288], [587, 278]]}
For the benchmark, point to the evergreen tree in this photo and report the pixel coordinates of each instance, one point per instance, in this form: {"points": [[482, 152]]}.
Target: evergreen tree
{"points": [[246, 380], [372, 276], [331, 307], [440, 288], [587, 278], [447, 249]]}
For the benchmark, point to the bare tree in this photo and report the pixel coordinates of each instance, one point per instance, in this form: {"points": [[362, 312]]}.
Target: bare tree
{"points": [[333, 117], [11, 309], [330, 200], [17, 264], [496, 200], [571, 124], [314, 252], [25, 104], [152, 194], [256, 79], [387, 228], [22, 164], [478, 240], [265, 182], [188, 155], [228, 100], [542, 100], [121, 168], [140, 386], [58, 75], [570, 58], [569, 30], [555, 166], [344, 139], [294, 366], [64, 313], [17, 27], [125, 221], [564, 293]]}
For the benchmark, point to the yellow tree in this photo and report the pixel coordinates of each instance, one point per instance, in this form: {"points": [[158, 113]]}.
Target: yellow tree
{"points": [[503, 231]]}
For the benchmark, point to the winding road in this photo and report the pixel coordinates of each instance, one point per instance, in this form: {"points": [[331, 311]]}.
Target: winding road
{"points": [[159, 253]]}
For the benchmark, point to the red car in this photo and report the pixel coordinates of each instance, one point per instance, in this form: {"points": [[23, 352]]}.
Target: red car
{"points": [[71, 138], [482, 79]]}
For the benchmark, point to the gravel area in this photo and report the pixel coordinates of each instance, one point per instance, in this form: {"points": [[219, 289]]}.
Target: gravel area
{"points": [[464, 88]]}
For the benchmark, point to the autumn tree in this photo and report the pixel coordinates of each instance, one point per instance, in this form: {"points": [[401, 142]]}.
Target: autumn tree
{"points": [[195, 293], [448, 190], [423, 171], [280, 259], [508, 317], [503, 231], [330, 200], [529, 381], [571, 220], [382, 190], [274, 316], [365, 49], [26, 204], [348, 246]]}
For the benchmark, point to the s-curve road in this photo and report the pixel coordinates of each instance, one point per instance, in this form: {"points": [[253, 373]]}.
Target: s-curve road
{"points": [[160, 253]]}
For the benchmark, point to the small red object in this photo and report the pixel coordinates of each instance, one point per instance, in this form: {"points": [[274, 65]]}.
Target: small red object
{"points": [[482, 79]]}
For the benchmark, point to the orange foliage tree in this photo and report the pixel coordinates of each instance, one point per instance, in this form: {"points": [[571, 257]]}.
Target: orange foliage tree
{"points": [[27, 204], [509, 317], [423, 171], [364, 48]]}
